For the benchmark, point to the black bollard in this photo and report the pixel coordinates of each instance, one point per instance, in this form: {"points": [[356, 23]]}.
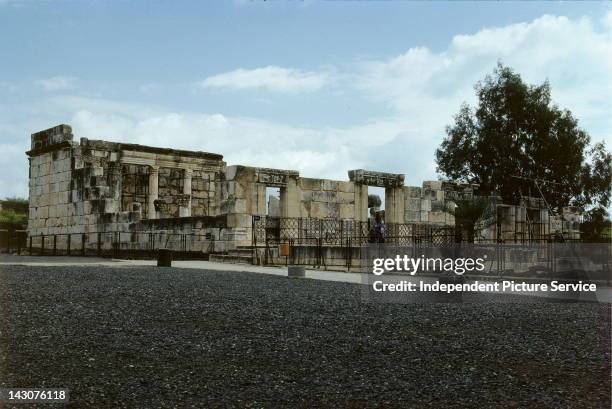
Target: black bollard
{"points": [[296, 272], [164, 258]]}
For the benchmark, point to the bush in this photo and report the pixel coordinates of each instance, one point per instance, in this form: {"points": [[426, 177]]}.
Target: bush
{"points": [[11, 216]]}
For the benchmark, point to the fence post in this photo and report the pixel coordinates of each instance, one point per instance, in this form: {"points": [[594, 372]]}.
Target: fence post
{"points": [[68, 244], [99, 244], [30, 245], [319, 250], [42, 245], [83, 244], [55, 244]]}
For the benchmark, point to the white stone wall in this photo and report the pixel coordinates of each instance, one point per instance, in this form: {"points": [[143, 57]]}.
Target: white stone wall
{"points": [[50, 192], [326, 199], [427, 204]]}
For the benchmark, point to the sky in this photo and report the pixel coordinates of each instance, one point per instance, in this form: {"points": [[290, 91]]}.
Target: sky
{"points": [[319, 87]]}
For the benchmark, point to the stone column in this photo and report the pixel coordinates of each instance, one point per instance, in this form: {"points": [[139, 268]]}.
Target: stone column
{"points": [[361, 202], [185, 211], [394, 204], [153, 191], [290, 199], [258, 201]]}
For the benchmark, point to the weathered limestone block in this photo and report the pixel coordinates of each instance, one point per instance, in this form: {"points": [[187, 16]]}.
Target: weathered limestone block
{"points": [[97, 171], [44, 168], [239, 220], [64, 185], [347, 211], [320, 196], [233, 188], [348, 187], [412, 216], [331, 185], [234, 205], [413, 191], [438, 206], [429, 194], [63, 197], [437, 217], [432, 184], [414, 204], [321, 210], [52, 136], [346, 198], [424, 216], [371, 178], [311, 184], [43, 199]]}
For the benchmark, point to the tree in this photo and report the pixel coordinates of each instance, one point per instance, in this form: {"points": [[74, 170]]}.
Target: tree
{"points": [[470, 212], [516, 139], [596, 226], [596, 178]]}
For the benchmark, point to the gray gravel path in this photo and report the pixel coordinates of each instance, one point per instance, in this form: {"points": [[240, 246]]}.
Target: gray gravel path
{"points": [[147, 337]]}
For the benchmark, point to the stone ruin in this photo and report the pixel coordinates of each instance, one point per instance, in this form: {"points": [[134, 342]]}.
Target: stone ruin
{"points": [[109, 192]]}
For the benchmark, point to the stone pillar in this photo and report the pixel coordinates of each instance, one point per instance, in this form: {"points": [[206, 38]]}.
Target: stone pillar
{"points": [[185, 210], [258, 203], [153, 192], [290, 199], [394, 205], [361, 202]]}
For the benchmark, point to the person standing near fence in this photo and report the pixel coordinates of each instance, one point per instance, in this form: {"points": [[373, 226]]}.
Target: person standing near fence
{"points": [[377, 233]]}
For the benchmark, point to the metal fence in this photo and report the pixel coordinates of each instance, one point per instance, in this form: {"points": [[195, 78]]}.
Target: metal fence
{"points": [[333, 243], [320, 243], [275, 230], [130, 245]]}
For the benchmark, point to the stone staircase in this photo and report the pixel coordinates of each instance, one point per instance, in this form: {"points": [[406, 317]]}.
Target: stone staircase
{"points": [[240, 255]]}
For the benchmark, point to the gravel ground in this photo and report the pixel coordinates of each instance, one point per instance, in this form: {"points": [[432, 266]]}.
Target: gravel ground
{"points": [[148, 337]]}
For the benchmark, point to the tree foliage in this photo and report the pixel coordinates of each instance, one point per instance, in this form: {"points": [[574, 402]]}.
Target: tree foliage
{"points": [[596, 226], [11, 216], [470, 212], [515, 135]]}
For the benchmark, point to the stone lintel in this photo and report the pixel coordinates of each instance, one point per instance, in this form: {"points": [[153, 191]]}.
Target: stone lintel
{"points": [[169, 161], [458, 190], [169, 151], [275, 177], [372, 178]]}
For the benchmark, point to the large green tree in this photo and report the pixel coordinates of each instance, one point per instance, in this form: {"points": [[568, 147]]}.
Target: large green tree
{"points": [[516, 136]]}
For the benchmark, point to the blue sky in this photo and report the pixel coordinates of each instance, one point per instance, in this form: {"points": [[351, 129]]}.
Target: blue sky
{"points": [[321, 87]]}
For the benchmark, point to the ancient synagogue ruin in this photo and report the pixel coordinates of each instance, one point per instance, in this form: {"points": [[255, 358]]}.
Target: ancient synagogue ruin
{"points": [[94, 194]]}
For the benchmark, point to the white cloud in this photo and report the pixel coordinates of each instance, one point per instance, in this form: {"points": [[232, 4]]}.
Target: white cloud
{"points": [[574, 55], [270, 78], [422, 88], [58, 83]]}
